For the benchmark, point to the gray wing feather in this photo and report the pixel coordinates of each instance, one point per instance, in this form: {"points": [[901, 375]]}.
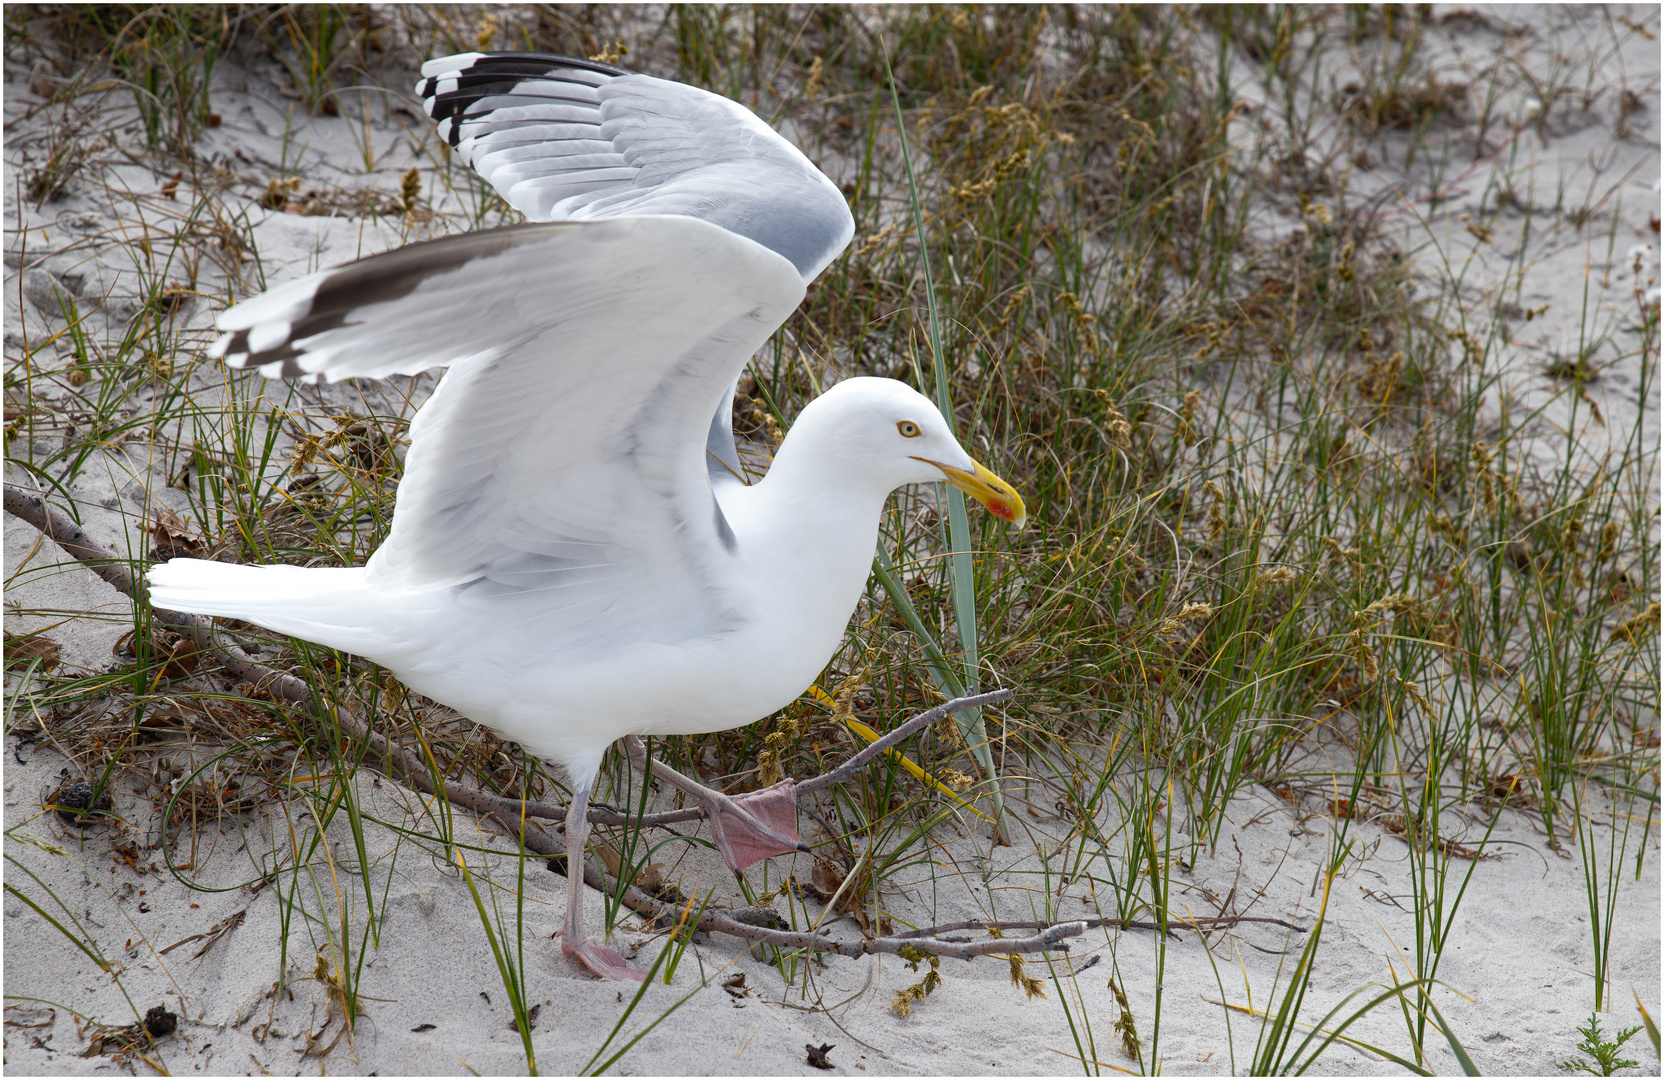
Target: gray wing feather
{"points": [[566, 139], [722, 456]]}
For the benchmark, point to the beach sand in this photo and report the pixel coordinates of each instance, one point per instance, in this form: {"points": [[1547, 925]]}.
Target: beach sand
{"points": [[1516, 973]]}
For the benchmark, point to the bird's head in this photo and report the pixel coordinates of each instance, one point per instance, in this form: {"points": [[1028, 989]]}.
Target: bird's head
{"points": [[895, 435]]}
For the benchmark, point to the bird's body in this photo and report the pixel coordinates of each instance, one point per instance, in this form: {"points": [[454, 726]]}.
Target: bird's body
{"points": [[565, 700], [573, 557]]}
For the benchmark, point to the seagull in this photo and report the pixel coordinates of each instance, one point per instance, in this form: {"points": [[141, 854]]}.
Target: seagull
{"points": [[575, 555]]}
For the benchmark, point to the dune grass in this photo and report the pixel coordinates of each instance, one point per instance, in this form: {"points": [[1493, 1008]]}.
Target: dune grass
{"points": [[1281, 534]]}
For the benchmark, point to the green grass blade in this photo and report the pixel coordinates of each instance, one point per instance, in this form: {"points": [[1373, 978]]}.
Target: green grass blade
{"points": [[961, 570], [1456, 1047], [590, 1068], [511, 982], [937, 663], [61, 928], [1646, 1018]]}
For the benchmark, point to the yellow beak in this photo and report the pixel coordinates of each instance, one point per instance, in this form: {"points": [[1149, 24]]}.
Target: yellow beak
{"points": [[999, 497]]}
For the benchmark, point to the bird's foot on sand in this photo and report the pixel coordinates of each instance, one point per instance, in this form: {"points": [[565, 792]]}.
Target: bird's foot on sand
{"points": [[753, 826], [599, 959]]}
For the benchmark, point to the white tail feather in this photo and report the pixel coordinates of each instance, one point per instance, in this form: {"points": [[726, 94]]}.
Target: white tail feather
{"points": [[331, 606]]}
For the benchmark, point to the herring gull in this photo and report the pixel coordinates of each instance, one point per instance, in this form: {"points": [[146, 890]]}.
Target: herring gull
{"points": [[574, 556]]}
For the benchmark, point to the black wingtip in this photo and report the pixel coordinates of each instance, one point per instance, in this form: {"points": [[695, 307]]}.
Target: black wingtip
{"points": [[558, 59]]}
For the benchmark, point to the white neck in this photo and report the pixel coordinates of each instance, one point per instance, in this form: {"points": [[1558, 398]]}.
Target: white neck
{"points": [[811, 500]]}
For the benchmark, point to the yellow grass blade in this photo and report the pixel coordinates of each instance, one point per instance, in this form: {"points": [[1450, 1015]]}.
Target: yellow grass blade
{"points": [[872, 736]]}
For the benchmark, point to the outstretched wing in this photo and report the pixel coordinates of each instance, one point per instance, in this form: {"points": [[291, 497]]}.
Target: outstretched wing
{"points": [[567, 139], [558, 470]]}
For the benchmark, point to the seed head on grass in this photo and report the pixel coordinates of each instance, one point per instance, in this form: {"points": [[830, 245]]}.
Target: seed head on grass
{"points": [[1115, 422], [902, 1003], [1346, 555], [1396, 604], [1277, 575], [1608, 541], [769, 771], [1441, 525], [1638, 627], [1413, 690], [1357, 647], [776, 435], [1446, 630], [1191, 612], [1085, 321], [279, 192], [1357, 642], [1569, 534], [1124, 1025], [970, 190], [948, 732], [1186, 429], [1010, 310], [786, 732], [1482, 458], [612, 54], [1343, 268], [410, 189], [1031, 986], [876, 241], [1381, 377], [1216, 509]]}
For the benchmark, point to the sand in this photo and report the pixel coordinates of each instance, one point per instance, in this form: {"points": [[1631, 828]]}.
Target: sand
{"points": [[1517, 969]]}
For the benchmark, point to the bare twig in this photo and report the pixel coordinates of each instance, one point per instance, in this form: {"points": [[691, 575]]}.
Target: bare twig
{"points": [[513, 814], [1219, 922], [918, 723]]}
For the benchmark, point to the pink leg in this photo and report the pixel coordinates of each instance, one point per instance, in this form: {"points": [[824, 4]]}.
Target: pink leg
{"points": [[744, 829], [597, 958]]}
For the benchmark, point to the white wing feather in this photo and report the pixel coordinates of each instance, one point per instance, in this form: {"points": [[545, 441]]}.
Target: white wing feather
{"points": [[558, 472]]}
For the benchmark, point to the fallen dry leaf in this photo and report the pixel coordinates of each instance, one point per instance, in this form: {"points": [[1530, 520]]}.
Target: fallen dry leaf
{"points": [[158, 1023], [177, 652], [826, 877], [649, 879], [173, 537], [23, 648]]}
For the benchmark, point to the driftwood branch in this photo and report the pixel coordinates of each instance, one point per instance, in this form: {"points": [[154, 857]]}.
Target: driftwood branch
{"points": [[513, 814], [1049, 935]]}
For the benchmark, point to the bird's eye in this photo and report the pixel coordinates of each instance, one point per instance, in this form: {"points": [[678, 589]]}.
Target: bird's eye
{"points": [[908, 429]]}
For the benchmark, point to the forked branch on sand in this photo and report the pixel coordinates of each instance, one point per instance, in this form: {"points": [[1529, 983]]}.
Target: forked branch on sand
{"points": [[517, 816]]}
